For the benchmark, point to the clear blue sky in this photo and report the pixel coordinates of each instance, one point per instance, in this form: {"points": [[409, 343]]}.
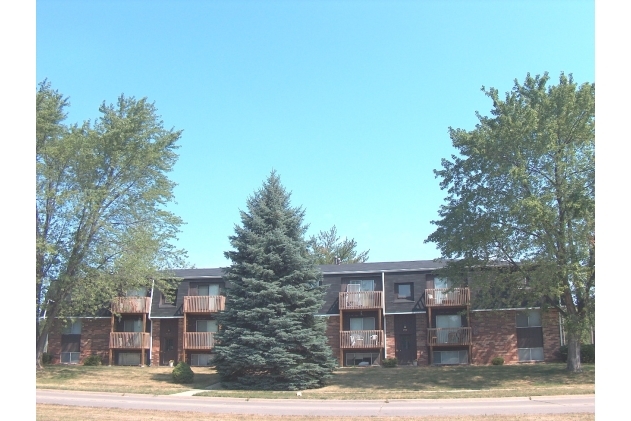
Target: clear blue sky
{"points": [[349, 101]]}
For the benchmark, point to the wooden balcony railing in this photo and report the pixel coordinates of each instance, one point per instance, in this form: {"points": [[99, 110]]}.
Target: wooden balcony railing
{"points": [[449, 336], [446, 297], [131, 305], [361, 339], [204, 303], [129, 340], [199, 340], [360, 299]]}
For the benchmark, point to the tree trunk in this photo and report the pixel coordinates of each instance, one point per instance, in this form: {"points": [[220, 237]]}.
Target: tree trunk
{"points": [[39, 349], [573, 353]]}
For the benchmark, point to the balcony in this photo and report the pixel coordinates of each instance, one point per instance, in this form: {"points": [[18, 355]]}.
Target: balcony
{"points": [[361, 339], [131, 305], [447, 297], [449, 336], [199, 340], [204, 303], [129, 340], [361, 300]]}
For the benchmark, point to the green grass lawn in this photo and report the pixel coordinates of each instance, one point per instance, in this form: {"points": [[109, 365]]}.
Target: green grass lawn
{"points": [[346, 383]]}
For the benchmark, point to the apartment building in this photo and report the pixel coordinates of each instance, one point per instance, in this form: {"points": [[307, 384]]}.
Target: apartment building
{"points": [[373, 311]]}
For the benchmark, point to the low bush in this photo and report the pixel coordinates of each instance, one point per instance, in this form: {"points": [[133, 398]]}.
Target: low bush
{"points": [[182, 373], [47, 358], [390, 362], [588, 353], [497, 361], [92, 360]]}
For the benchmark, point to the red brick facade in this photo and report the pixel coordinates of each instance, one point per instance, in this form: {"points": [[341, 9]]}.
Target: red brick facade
{"points": [[95, 339], [494, 334]]}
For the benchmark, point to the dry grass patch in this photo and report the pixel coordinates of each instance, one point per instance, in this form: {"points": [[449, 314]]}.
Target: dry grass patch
{"points": [[442, 382], [73, 413], [150, 380], [346, 383]]}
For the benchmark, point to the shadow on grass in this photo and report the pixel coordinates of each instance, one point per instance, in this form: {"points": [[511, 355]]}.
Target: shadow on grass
{"points": [[201, 380], [461, 377]]}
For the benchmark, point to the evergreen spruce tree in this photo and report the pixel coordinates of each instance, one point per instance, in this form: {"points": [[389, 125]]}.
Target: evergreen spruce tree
{"points": [[270, 337]]}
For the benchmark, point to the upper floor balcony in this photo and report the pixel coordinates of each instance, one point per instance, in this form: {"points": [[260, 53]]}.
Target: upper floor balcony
{"points": [[447, 297], [199, 340], [204, 303], [361, 339], [361, 300], [131, 305], [449, 336], [129, 340]]}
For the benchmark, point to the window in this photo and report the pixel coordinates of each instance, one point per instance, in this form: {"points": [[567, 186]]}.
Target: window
{"points": [[204, 289], [71, 342], [168, 298], [362, 323], [448, 325], [404, 292], [363, 285], [72, 328], [70, 357], [137, 292], [206, 326], [129, 358], [364, 358], [529, 335], [451, 357], [132, 325], [442, 283], [201, 359]]}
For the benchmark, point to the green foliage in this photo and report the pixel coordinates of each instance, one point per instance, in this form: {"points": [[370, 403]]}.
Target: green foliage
{"points": [[101, 191], [92, 360], [390, 362], [588, 353], [47, 358], [270, 337], [519, 217], [327, 248], [182, 373], [497, 361]]}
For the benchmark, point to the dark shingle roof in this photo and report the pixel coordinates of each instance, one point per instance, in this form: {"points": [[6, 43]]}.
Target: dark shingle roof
{"points": [[330, 269], [382, 267]]}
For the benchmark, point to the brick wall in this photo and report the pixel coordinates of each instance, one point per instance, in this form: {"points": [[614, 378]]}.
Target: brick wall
{"points": [[95, 339], [422, 351], [551, 335], [155, 343], [493, 334], [390, 345]]}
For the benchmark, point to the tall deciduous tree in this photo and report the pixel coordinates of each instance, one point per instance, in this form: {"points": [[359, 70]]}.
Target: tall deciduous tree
{"points": [[101, 223], [329, 249], [270, 337], [520, 210]]}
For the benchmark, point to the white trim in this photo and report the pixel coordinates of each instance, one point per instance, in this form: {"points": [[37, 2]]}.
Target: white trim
{"points": [[169, 317], [383, 300], [507, 309], [382, 271], [327, 315], [407, 312], [153, 282]]}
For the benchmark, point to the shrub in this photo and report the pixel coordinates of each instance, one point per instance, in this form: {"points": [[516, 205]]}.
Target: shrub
{"points": [[497, 361], [47, 358], [390, 362], [588, 353], [92, 360], [182, 373]]}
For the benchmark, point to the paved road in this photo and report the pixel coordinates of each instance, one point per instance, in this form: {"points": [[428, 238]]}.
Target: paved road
{"points": [[536, 405]]}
